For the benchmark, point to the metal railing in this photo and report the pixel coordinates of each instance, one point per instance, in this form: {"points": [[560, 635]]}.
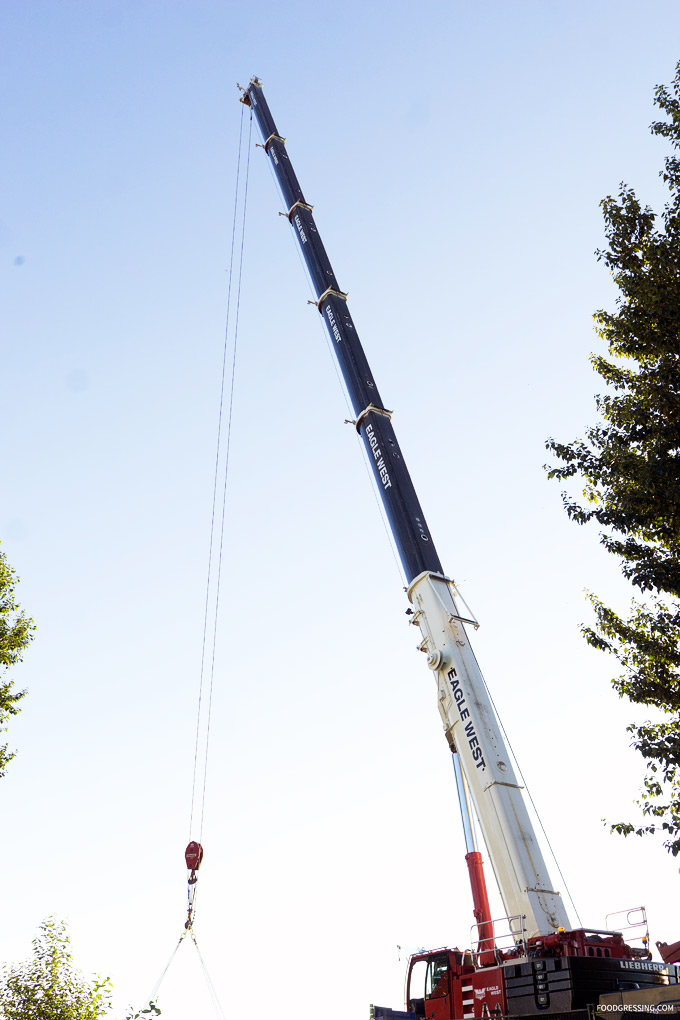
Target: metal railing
{"points": [[633, 928], [510, 940]]}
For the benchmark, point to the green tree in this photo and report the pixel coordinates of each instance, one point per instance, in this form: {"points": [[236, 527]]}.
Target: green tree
{"points": [[630, 463], [16, 633], [47, 987]]}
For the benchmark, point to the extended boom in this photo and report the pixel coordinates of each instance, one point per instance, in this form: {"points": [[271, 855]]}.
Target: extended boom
{"points": [[469, 721], [544, 968]]}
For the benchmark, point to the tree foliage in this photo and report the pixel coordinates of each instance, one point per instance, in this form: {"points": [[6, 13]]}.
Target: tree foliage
{"points": [[47, 987], [630, 463], [16, 633]]}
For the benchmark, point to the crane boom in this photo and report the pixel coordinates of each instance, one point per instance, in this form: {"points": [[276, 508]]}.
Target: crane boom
{"points": [[467, 714], [407, 521]]}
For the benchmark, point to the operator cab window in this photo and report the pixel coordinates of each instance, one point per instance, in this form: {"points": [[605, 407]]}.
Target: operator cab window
{"points": [[437, 979]]}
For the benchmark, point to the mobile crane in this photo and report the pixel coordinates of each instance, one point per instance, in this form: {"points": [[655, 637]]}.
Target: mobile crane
{"points": [[538, 964]]}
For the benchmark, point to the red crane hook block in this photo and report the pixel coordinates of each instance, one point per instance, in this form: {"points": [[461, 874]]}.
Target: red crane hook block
{"points": [[193, 855]]}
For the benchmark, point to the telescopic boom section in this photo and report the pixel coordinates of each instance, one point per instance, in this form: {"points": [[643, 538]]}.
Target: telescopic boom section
{"points": [[470, 724], [407, 521]]}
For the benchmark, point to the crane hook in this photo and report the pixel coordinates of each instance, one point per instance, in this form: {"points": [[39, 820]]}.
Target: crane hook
{"points": [[193, 856]]}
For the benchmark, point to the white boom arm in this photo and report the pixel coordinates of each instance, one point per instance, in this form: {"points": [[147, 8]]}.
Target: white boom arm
{"points": [[471, 727]]}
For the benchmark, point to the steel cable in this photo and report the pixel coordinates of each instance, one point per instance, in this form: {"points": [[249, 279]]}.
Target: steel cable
{"points": [[528, 793], [226, 474], [210, 986], [154, 992], [216, 478]]}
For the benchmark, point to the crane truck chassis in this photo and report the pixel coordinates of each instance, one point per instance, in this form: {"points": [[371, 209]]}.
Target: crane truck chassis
{"points": [[535, 963]]}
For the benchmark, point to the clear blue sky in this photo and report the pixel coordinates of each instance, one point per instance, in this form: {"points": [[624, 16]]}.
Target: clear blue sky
{"points": [[456, 154]]}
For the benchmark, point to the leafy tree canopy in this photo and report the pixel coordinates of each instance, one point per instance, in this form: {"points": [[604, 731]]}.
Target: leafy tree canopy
{"points": [[630, 463], [47, 987], [16, 633]]}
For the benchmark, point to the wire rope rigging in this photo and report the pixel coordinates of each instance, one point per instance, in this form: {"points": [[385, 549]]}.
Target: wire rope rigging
{"points": [[194, 850], [212, 992]]}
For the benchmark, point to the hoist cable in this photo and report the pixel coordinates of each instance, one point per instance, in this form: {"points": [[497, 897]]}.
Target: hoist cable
{"points": [[217, 463], [528, 793], [226, 474]]}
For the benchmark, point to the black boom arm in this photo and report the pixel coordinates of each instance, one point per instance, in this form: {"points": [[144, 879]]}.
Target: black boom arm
{"points": [[411, 534]]}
